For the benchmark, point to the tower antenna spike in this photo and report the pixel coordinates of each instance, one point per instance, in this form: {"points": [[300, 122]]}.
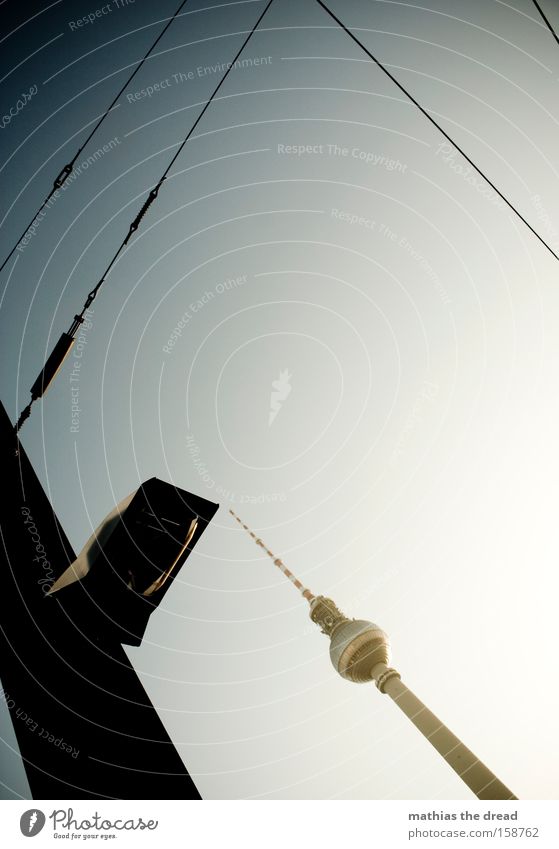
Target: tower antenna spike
{"points": [[360, 652], [306, 593]]}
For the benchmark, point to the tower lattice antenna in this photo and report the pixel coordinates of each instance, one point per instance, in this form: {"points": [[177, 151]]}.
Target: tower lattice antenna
{"points": [[277, 561]]}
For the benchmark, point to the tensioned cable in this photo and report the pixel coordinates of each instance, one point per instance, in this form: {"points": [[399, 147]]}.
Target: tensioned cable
{"points": [[438, 126], [62, 347], [67, 170], [549, 26]]}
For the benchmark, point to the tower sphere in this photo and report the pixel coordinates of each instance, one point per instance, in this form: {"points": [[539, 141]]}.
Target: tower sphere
{"points": [[356, 647]]}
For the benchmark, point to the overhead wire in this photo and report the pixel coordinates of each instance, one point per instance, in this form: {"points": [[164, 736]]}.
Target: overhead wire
{"points": [[438, 126], [62, 347], [548, 23], [64, 344], [69, 167]]}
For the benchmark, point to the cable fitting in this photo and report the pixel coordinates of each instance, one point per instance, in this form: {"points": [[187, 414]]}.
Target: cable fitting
{"points": [[63, 176], [150, 198]]}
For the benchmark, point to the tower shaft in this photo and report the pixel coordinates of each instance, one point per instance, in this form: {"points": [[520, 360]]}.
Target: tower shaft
{"points": [[465, 764]]}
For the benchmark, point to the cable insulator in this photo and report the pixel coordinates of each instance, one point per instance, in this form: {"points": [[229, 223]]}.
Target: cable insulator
{"points": [[67, 170], [42, 382], [136, 223], [63, 176], [50, 369]]}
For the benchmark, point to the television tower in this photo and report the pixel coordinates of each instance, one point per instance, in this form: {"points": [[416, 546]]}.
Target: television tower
{"points": [[360, 652]]}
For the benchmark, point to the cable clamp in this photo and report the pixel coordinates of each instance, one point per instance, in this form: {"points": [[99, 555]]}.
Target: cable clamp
{"points": [[63, 176]]}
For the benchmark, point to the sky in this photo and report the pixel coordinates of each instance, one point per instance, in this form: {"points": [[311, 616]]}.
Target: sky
{"points": [[327, 322]]}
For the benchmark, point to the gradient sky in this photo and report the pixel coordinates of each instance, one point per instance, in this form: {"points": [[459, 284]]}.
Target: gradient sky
{"points": [[411, 472]]}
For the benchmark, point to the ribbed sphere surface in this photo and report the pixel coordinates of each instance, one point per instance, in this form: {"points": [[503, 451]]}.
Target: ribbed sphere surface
{"points": [[356, 647]]}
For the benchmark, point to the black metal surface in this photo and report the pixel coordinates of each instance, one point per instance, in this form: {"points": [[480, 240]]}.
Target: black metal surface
{"points": [[146, 540], [84, 723]]}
